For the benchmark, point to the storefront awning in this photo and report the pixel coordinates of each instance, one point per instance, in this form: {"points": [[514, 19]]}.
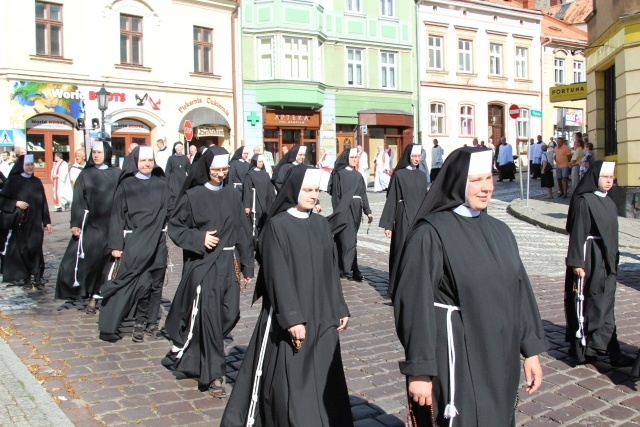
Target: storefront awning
{"points": [[204, 116]]}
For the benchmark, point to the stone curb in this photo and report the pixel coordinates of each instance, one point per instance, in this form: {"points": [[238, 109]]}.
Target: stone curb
{"points": [[43, 401], [514, 209]]}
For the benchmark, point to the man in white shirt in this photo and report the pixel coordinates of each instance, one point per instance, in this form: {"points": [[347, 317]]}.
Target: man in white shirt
{"points": [[7, 163], [163, 154], [77, 167], [363, 165]]}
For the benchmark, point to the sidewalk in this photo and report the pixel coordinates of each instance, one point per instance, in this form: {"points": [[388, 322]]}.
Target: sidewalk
{"points": [[552, 215]]}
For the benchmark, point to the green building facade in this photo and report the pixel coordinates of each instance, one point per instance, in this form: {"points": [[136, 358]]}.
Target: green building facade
{"points": [[315, 71]]}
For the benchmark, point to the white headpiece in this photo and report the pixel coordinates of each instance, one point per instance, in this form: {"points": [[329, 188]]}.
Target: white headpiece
{"points": [[303, 149], [260, 158], [312, 177], [246, 149], [28, 158], [220, 161], [97, 146], [480, 163], [607, 168], [353, 152], [146, 152], [416, 149]]}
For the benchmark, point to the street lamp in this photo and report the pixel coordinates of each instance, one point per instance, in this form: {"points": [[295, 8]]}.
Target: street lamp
{"points": [[103, 104]]}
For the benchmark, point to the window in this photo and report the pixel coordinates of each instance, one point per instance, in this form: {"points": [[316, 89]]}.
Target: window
{"points": [[578, 71], [495, 59], [130, 40], [202, 50], [354, 6], [386, 8], [354, 67], [522, 124], [558, 66], [467, 118], [522, 59], [296, 59], [388, 70], [435, 52], [437, 118], [48, 29], [265, 59], [464, 55]]}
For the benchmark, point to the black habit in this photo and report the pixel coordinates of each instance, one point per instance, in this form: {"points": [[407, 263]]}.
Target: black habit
{"points": [[140, 210], [23, 230], [238, 169], [258, 179], [177, 170], [209, 284], [91, 212], [287, 162], [299, 279]]}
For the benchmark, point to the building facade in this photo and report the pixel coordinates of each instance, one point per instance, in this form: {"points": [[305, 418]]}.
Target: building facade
{"points": [[158, 73], [477, 59], [315, 71], [613, 100]]}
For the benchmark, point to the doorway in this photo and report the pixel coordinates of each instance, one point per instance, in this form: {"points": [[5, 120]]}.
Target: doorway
{"points": [[47, 135], [496, 122]]}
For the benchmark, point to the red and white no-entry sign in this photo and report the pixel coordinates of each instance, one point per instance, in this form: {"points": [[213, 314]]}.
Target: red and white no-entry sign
{"points": [[188, 130], [514, 111]]}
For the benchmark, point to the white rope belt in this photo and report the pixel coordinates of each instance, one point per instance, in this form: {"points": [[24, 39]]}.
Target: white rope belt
{"points": [[6, 244], [357, 197], [580, 303], [235, 184], [80, 251], [125, 232], [228, 248], [450, 410]]}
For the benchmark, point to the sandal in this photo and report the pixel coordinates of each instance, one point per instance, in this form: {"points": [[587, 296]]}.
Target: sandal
{"points": [[91, 307], [138, 333], [217, 388]]}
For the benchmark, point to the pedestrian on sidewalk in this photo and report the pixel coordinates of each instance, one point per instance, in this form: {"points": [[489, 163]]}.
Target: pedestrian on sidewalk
{"points": [[83, 267], [588, 160], [506, 166], [464, 308], [406, 192], [349, 199], [546, 170], [137, 239], [77, 167], [592, 266], [362, 166], [562, 156], [209, 227], [382, 170], [298, 378], [535, 161], [436, 160], [576, 159], [24, 214]]}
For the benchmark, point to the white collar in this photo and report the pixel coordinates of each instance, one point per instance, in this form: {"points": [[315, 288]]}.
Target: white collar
{"points": [[142, 176], [466, 211], [349, 168], [26, 175], [600, 193], [295, 163], [411, 168], [296, 213], [213, 187], [257, 169], [101, 167]]}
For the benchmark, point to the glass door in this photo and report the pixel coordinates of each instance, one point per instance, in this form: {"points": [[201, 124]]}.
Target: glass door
{"points": [[36, 146]]}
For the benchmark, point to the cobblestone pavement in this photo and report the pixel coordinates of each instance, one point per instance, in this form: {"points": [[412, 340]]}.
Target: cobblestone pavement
{"points": [[122, 383]]}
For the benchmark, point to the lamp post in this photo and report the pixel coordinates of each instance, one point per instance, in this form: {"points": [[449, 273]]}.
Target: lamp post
{"points": [[103, 104]]}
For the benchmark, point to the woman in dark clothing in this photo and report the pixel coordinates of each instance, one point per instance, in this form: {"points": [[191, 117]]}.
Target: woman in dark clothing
{"points": [[258, 193], [176, 171]]}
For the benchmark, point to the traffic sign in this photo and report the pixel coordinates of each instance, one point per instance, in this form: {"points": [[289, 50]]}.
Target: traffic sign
{"points": [[6, 138], [514, 111], [536, 113], [188, 130]]}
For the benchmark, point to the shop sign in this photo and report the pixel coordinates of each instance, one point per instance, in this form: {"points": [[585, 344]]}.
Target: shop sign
{"points": [[129, 126], [568, 92], [48, 123], [209, 131], [292, 118], [198, 101]]}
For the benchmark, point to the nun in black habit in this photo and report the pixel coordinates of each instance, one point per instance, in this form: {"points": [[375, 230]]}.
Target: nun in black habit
{"points": [[177, 170], [592, 224], [137, 238], [258, 194], [464, 308], [24, 215], [209, 226], [239, 167], [301, 299], [294, 157], [349, 200], [407, 190], [83, 266]]}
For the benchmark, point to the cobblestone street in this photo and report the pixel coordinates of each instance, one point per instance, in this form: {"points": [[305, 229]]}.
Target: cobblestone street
{"points": [[122, 383]]}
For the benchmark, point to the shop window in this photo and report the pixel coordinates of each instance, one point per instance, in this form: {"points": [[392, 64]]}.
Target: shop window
{"points": [[202, 50], [130, 40], [49, 29]]}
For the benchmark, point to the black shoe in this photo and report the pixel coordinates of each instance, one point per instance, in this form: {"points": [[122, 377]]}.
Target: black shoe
{"points": [[358, 277], [169, 360], [153, 331], [138, 333], [59, 210], [620, 360]]}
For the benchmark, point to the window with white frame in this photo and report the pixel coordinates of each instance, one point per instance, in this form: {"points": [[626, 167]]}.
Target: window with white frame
{"points": [[296, 58], [388, 70], [387, 8], [578, 71], [495, 59], [465, 55], [435, 52], [48, 29], [354, 67], [437, 118], [558, 66], [354, 6], [467, 119], [522, 124], [265, 58], [522, 62]]}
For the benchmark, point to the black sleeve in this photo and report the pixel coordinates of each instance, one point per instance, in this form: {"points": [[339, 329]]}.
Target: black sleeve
{"points": [[244, 243], [388, 217], [79, 204], [46, 217], [581, 220], [365, 200], [247, 193], [182, 231], [117, 222]]}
